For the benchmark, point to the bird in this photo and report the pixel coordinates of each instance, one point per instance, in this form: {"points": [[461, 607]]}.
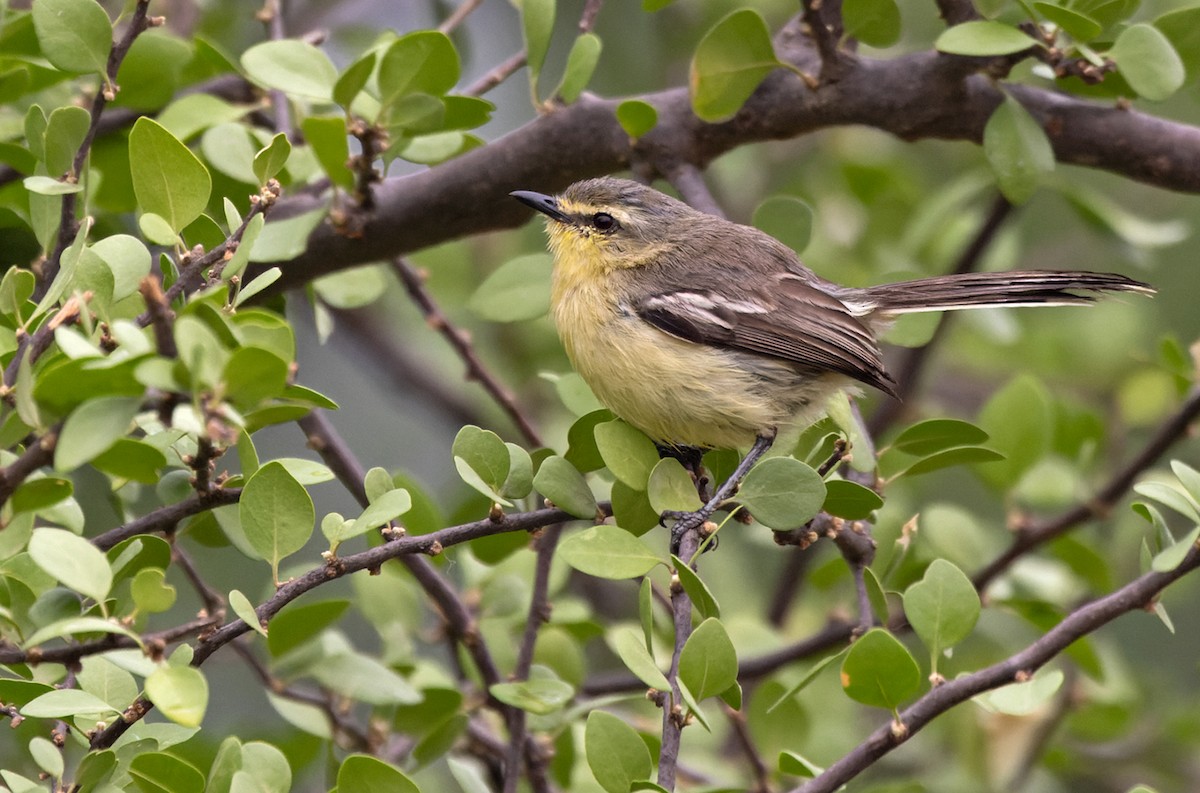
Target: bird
{"points": [[704, 333]]}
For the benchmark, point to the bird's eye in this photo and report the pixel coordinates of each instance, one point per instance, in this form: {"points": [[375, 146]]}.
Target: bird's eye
{"points": [[604, 221]]}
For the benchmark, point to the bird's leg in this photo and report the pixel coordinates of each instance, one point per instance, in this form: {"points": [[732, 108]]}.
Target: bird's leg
{"points": [[687, 521]]}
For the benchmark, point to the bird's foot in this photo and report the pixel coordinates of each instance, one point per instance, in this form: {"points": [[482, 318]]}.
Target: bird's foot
{"points": [[685, 522]]}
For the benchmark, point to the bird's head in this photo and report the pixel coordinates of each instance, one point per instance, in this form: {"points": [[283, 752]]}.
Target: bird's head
{"points": [[609, 223]]}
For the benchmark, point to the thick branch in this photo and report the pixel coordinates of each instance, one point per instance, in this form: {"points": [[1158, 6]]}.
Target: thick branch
{"points": [[916, 96]]}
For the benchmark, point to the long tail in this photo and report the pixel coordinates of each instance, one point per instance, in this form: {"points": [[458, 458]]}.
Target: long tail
{"points": [[975, 290]]}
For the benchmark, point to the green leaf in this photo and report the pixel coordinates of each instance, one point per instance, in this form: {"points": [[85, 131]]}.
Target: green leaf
{"points": [[277, 514], [1017, 150], [964, 455], [942, 607], [787, 219], [353, 80], [543, 693], [608, 552], [93, 428], [483, 454], [127, 258], [421, 62], [269, 161], [797, 765], [327, 137], [1169, 558], [168, 180], [850, 500], [581, 63], [1022, 699], [1020, 422], [180, 692], [562, 483], [615, 752], [74, 35], [670, 488], [626, 452], [1148, 62], [151, 594], [518, 290], [77, 625], [295, 67], [708, 662], [636, 117], [879, 671], [935, 435], [362, 773], [1079, 26], [519, 482], [983, 38], [229, 149], [261, 282], [384, 509], [875, 23], [730, 62], [72, 560], [47, 756], [1170, 496], [65, 130], [631, 649], [782, 492], [35, 494], [1182, 29], [296, 625], [696, 589], [809, 676], [537, 25], [160, 772], [65, 703], [244, 609], [44, 185]]}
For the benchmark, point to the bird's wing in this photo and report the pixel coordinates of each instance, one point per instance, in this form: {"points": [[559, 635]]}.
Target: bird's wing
{"points": [[793, 321]]}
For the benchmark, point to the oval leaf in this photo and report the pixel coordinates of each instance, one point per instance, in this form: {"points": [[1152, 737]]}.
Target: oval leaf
{"points": [[180, 692], [608, 552], [168, 180], [782, 493], [72, 560], [276, 512], [730, 62], [879, 671], [983, 38]]}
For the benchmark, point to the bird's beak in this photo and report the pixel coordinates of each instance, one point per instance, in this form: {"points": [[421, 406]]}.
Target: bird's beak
{"points": [[542, 203]]}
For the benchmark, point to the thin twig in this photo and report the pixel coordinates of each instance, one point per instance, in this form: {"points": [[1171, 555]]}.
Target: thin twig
{"points": [[333, 569], [414, 283], [587, 20], [1016, 668], [497, 75], [745, 742], [823, 37], [674, 718], [955, 12], [35, 344], [271, 15], [1035, 534], [71, 653], [460, 14], [39, 452], [539, 613], [213, 599], [357, 739], [687, 179], [166, 518], [259, 204]]}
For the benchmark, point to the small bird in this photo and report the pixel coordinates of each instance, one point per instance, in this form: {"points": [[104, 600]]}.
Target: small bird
{"points": [[705, 333]]}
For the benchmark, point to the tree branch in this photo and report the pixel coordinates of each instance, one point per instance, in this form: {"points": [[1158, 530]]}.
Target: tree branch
{"points": [[414, 284], [1135, 595], [673, 718], [916, 96], [1033, 535]]}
